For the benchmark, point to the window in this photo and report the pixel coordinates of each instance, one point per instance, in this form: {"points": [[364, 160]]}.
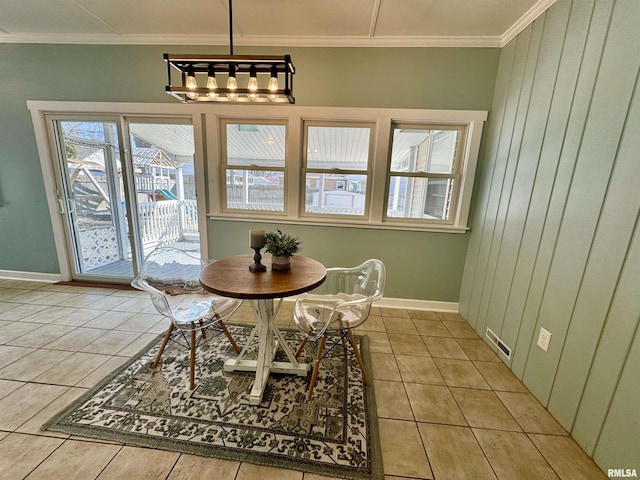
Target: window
{"points": [[262, 163], [337, 155], [356, 167], [253, 161], [424, 172]]}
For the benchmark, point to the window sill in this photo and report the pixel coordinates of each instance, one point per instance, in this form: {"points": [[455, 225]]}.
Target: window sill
{"points": [[340, 223]]}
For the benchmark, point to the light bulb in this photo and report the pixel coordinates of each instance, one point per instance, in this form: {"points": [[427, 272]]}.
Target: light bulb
{"points": [[273, 84], [212, 85], [191, 79], [273, 81], [191, 83], [232, 84], [253, 81]]}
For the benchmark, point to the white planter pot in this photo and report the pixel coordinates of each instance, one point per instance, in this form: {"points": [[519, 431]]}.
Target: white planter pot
{"points": [[280, 263]]}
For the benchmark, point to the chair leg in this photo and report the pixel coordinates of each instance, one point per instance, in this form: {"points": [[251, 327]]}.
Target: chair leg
{"points": [[352, 339], [301, 347], [203, 330], [316, 367], [192, 361], [228, 334], [342, 339], [163, 346]]}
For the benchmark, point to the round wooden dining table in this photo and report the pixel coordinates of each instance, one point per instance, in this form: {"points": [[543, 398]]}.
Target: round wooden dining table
{"points": [[231, 277]]}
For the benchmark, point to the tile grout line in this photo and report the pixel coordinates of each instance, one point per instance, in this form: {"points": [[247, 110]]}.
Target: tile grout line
{"points": [[139, 334]]}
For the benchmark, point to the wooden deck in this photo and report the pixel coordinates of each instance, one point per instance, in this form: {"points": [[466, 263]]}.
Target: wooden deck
{"points": [[123, 269]]}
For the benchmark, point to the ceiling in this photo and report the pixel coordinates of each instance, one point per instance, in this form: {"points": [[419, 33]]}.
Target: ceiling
{"points": [[343, 23]]}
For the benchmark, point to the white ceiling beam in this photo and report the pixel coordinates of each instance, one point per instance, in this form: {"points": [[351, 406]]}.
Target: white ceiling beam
{"points": [[374, 18], [106, 24]]}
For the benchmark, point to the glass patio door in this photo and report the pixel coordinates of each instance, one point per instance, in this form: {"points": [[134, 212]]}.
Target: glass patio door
{"points": [[164, 182], [94, 200], [120, 199]]}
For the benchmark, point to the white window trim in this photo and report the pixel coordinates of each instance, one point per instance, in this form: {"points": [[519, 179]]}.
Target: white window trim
{"points": [[456, 174], [383, 119], [223, 165], [207, 151], [368, 172]]}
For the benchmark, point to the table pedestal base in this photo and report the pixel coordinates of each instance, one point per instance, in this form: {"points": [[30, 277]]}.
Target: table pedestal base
{"points": [[269, 337]]}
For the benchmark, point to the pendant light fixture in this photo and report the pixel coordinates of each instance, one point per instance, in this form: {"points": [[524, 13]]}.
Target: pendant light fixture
{"points": [[249, 78]]}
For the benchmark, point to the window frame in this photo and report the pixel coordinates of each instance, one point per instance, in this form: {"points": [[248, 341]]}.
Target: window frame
{"points": [[305, 169], [455, 175], [224, 165], [207, 158], [383, 118]]}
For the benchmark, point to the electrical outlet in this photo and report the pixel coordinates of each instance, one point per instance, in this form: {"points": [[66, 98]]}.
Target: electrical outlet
{"points": [[544, 339]]}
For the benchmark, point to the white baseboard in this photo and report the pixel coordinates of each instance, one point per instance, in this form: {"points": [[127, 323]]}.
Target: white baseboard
{"points": [[30, 276], [412, 304]]}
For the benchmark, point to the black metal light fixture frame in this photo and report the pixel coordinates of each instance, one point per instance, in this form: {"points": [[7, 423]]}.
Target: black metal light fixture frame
{"points": [[222, 64], [251, 65]]}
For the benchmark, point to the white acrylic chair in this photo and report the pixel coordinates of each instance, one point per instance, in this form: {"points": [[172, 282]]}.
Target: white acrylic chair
{"points": [[171, 277], [339, 305]]}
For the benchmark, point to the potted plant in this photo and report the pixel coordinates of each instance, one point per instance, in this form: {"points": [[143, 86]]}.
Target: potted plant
{"points": [[282, 246]]}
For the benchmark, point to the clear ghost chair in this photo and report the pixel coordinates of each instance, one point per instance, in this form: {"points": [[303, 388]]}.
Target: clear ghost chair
{"points": [[171, 277], [339, 305]]}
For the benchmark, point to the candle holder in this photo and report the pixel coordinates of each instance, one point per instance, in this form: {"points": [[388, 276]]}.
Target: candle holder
{"points": [[257, 240], [257, 266]]}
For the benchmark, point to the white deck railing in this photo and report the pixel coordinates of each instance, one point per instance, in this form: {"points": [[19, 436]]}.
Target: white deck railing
{"points": [[161, 223], [167, 221]]}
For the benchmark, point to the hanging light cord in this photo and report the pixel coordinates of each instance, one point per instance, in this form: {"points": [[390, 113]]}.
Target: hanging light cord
{"points": [[230, 27]]}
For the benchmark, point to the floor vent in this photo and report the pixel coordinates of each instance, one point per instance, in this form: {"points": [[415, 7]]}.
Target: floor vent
{"points": [[502, 347]]}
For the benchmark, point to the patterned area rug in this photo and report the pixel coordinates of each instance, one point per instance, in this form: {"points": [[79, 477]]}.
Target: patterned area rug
{"points": [[334, 434]]}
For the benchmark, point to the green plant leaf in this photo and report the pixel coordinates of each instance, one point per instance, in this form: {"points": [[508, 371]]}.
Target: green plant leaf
{"points": [[281, 244]]}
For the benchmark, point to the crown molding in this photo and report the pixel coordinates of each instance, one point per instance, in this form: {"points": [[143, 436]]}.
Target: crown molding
{"points": [[525, 20], [487, 41], [255, 41]]}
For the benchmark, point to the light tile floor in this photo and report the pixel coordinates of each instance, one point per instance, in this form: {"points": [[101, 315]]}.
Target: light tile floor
{"points": [[448, 407]]}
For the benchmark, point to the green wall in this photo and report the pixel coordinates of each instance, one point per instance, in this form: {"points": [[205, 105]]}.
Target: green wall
{"points": [[412, 269], [428, 265], [555, 241]]}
